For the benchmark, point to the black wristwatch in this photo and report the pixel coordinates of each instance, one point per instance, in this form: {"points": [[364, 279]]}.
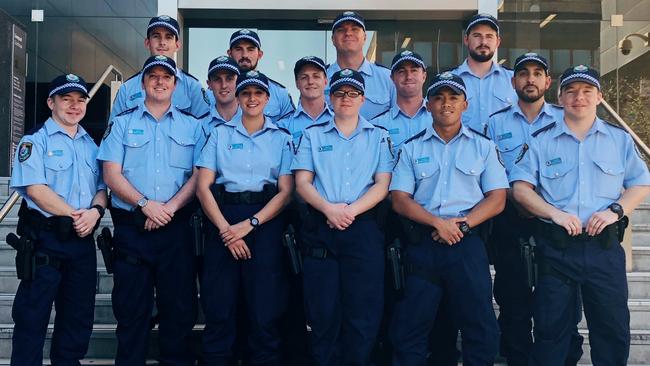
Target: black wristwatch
{"points": [[464, 227], [100, 209], [617, 209], [255, 222]]}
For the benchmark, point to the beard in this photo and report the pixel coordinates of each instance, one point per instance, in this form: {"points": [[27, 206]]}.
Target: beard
{"points": [[479, 57], [246, 68], [527, 98]]}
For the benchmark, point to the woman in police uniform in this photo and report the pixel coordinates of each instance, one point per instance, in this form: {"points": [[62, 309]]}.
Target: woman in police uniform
{"points": [[244, 184], [343, 169]]}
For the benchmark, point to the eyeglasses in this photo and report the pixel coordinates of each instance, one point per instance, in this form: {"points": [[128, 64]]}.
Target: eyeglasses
{"points": [[349, 93]]}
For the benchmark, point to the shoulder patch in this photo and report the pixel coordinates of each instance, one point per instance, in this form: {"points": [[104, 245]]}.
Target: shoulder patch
{"points": [[615, 126], [381, 114], [107, 132], [188, 74], [479, 133], [545, 128], [522, 153], [501, 110], [132, 76], [24, 151], [418, 135], [284, 130], [499, 157], [317, 125], [273, 81], [127, 111]]}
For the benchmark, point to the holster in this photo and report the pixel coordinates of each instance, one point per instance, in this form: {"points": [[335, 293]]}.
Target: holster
{"points": [[106, 247], [412, 231], [293, 252], [25, 260], [196, 221], [528, 248], [394, 256]]}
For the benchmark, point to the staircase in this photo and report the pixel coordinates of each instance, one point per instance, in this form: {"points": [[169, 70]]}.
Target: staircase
{"points": [[103, 345]]}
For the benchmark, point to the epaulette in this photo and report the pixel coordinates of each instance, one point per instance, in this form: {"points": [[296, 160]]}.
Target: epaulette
{"points": [[127, 111], [277, 83], [418, 135], [381, 127], [132, 76], [284, 130], [34, 129], [615, 126], [190, 75], [479, 133], [381, 114], [380, 65], [507, 68], [188, 113], [501, 110], [316, 125], [556, 106], [286, 115], [545, 128], [203, 115]]}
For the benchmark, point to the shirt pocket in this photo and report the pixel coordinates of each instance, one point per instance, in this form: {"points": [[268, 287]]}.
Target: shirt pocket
{"points": [[377, 99], [426, 179], [135, 148], [468, 177], [504, 98], [59, 173], [555, 182], [608, 178], [181, 153]]}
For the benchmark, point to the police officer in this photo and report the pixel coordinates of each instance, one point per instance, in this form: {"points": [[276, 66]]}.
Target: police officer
{"points": [[311, 79], [342, 169], [64, 197], [163, 38], [447, 182], [488, 83], [222, 81], [244, 184], [511, 128], [348, 37], [246, 49], [408, 115], [148, 153], [579, 166]]}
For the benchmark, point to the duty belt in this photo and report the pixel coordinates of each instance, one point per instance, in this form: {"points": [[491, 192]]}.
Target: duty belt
{"points": [[245, 198]]}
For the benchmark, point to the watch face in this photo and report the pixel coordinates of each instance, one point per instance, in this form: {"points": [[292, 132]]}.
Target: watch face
{"points": [[255, 221]]}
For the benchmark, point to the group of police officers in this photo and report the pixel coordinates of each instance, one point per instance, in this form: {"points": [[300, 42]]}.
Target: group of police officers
{"points": [[468, 175]]}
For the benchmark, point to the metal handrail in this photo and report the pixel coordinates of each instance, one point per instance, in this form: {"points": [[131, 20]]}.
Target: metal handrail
{"points": [[627, 128], [11, 201]]}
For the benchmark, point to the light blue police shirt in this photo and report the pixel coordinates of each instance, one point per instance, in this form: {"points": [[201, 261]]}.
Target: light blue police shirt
{"points": [[400, 126], [188, 95], [485, 95], [299, 120], [581, 178], [448, 179], [243, 162], [379, 88], [344, 167], [213, 119], [68, 166], [157, 157], [511, 132]]}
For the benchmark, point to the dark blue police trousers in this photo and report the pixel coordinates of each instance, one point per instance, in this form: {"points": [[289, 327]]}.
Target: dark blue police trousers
{"points": [[462, 273], [263, 282], [344, 291], [165, 264], [71, 288], [600, 275]]}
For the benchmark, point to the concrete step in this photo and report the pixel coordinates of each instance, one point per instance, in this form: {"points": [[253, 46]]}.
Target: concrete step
{"points": [[9, 282], [641, 259], [641, 214], [641, 237], [639, 347]]}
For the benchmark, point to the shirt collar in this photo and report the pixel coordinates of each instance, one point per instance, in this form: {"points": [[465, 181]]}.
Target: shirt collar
{"points": [[464, 68], [362, 124], [239, 126], [431, 132], [395, 110], [214, 114], [562, 128], [365, 68], [300, 109], [52, 127], [170, 112]]}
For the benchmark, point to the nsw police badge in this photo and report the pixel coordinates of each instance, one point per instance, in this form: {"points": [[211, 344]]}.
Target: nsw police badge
{"points": [[25, 151]]}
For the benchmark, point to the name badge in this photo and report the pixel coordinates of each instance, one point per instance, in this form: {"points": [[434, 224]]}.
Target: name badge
{"points": [[55, 153], [135, 96], [136, 131], [505, 136], [393, 131], [235, 146], [325, 148], [423, 160], [555, 161]]}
